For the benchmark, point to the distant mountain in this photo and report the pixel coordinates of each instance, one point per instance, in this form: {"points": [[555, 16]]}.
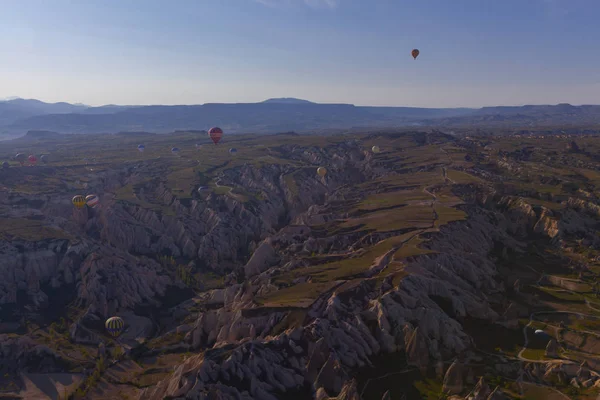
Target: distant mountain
{"points": [[17, 108], [108, 109], [270, 117], [288, 100], [523, 116], [273, 116]]}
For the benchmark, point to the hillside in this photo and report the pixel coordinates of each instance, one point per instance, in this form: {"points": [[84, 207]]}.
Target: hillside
{"points": [[422, 271], [17, 109], [277, 115]]}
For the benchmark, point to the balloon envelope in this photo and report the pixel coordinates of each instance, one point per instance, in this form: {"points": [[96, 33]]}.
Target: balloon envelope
{"points": [[78, 201], [32, 159], [375, 149], [141, 148], [321, 171], [92, 200], [215, 134], [175, 150], [233, 150], [415, 53], [5, 165], [114, 326], [539, 332], [44, 158]]}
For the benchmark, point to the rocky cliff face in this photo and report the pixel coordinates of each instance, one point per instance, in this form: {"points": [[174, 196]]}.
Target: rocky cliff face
{"points": [[239, 347], [346, 328]]}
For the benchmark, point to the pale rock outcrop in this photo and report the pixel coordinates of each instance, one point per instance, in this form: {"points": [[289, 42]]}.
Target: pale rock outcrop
{"points": [[262, 258], [453, 380], [417, 349], [349, 391], [547, 224], [481, 391], [331, 377], [583, 374], [497, 394]]}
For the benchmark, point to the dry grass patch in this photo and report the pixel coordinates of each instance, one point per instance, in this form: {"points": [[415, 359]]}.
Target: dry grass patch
{"points": [[461, 177], [349, 267], [301, 295], [410, 216], [411, 249], [448, 214], [391, 199]]}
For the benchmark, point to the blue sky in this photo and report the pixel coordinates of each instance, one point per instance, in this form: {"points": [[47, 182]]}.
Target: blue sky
{"points": [[473, 52]]}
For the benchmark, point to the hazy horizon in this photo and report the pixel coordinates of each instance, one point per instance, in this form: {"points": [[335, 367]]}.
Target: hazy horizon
{"points": [[507, 53], [8, 98]]}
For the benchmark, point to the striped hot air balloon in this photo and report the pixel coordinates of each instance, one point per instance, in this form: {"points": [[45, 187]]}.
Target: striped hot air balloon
{"points": [[78, 201], [92, 200], [215, 134], [114, 326]]}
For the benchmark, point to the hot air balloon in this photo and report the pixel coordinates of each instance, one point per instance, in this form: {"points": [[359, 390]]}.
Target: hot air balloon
{"points": [[21, 158], [32, 159], [203, 189], [175, 151], [141, 148], [5, 165], [232, 150], [321, 171], [215, 134], [92, 200], [198, 146], [539, 332], [415, 53], [44, 158], [375, 149], [78, 201], [114, 326]]}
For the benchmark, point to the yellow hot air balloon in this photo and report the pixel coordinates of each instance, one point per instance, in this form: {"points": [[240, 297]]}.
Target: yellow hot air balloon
{"points": [[78, 201], [415, 53], [321, 171], [375, 149], [114, 326]]}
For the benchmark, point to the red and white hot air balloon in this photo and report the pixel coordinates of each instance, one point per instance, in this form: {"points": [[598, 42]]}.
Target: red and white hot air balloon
{"points": [[32, 159], [92, 200], [215, 134]]}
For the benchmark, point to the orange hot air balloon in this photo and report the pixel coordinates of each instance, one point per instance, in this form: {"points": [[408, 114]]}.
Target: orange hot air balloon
{"points": [[415, 53], [215, 134]]}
